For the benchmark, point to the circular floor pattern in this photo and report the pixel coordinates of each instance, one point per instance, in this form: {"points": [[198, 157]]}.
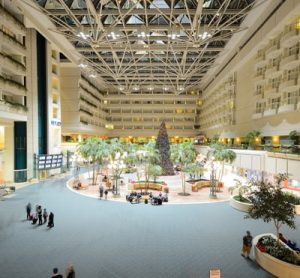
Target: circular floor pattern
{"points": [[173, 182], [106, 239]]}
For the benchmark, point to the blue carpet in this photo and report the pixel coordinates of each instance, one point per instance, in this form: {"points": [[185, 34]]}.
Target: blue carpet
{"points": [[111, 239]]}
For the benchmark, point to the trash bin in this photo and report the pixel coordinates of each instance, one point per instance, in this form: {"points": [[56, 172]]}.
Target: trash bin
{"points": [[146, 201]]}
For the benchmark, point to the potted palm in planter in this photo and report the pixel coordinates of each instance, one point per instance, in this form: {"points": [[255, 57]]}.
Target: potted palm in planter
{"points": [[240, 201], [251, 137], [294, 137]]}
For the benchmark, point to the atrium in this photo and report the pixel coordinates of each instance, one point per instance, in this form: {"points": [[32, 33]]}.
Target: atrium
{"points": [[150, 128]]}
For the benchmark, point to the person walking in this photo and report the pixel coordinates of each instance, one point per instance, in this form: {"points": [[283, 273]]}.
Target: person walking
{"points": [[55, 273], [40, 215], [28, 210], [70, 272], [45, 216], [101, 190], [51, 220], [247, 245], [105, 193]]}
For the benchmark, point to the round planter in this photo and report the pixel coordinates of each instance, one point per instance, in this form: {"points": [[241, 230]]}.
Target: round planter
{"points": [[276, 267], [239, 205], [297, 209]]}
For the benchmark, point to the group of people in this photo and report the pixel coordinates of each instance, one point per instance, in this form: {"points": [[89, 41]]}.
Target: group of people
{"points": [[289, 243], [70, 273], [39, 215], [135, 198]]}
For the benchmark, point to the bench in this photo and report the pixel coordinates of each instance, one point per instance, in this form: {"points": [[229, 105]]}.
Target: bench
{"points": [[201, 184], [145, 186]]}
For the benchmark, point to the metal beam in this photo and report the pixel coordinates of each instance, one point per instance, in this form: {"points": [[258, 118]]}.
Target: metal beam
{"points": [[150, 12], [149, 48], [150, 28]]}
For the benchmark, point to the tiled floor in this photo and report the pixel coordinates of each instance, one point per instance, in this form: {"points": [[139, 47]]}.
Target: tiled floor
{"points": [[114, 239]]}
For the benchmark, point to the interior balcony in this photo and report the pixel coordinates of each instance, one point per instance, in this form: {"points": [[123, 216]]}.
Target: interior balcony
{"points": [[286, 107], [12, 65], [12, 46], [258, 115], [271, 71], [273, 52], [12, 23], [290, 38], [289, 84], [12, 87], [289, 61]]}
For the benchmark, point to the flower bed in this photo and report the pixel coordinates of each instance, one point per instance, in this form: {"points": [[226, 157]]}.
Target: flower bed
{"points": [[276, 257]]}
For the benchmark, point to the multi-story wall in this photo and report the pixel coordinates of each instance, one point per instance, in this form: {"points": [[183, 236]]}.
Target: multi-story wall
{"points": [[83, 109], [141, 114], [266, 69], [13, 93]]}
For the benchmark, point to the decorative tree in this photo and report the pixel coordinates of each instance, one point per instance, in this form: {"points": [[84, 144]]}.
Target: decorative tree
{"points": [[94, 149], [251, 136], [270, 203], [221, 154], [163, 145], [185, 155]]}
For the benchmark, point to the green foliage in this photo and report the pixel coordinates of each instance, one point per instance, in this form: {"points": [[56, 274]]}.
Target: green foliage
{"points": [[251, 136], [294, 136], [221, 154], [215, 138], [95, 150], [154, 171], [163, 145], [295, 200], [242, 190], [278, 250], [241, 199], [270, 203]]}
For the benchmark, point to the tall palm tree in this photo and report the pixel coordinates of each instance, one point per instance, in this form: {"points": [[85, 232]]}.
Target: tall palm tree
{"points": [[183, 154], [221, 154]]}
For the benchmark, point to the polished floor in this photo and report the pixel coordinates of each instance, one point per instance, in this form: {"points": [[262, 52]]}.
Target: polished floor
{"points": [[114, 239]]}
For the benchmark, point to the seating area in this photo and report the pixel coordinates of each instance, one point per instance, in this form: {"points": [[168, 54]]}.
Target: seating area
{"points": [[204, 183], [137, 198], [146, 186]]}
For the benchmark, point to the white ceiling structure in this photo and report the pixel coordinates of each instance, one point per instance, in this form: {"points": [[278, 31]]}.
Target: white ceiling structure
{"points": [[148, 45]]}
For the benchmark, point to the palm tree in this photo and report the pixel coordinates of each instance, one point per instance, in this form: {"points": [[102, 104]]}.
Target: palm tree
{"points": [[102, 153], [221, 154], [183, 154]]}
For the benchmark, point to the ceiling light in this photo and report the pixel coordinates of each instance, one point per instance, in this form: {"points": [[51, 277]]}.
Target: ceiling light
{"points": [[180, 88], [82, 65], [121, 88], [205, 35], [150, 88], [135, 88], [113, 35], [143, 34], [83, 35], [92, 75], [165, 88]]}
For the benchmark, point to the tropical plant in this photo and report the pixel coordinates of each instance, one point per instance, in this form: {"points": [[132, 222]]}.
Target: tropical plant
{"points": [[215, 138], [154, 171], [271, 204], [251, 136], [195, 170], [94, 150], [183, 154], [222, 155], [242, 190], [294, 136]]}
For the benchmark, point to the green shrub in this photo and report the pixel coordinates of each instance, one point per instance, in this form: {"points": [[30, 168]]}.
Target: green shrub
{"points": [[278, 250]]}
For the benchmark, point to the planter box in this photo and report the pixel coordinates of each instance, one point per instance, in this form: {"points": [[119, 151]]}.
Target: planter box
{"points": [[297, 209], [276, 267], [239, 205]]}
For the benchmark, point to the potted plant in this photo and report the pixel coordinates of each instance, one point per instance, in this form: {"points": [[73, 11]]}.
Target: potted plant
{"points": [[294, 137], [251, 137]]}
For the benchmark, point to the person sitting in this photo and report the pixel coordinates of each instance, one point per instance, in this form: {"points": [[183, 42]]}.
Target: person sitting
{"points": [[293, 245], [105, 179], [282, 238], [34, 218], [77, 186]]}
